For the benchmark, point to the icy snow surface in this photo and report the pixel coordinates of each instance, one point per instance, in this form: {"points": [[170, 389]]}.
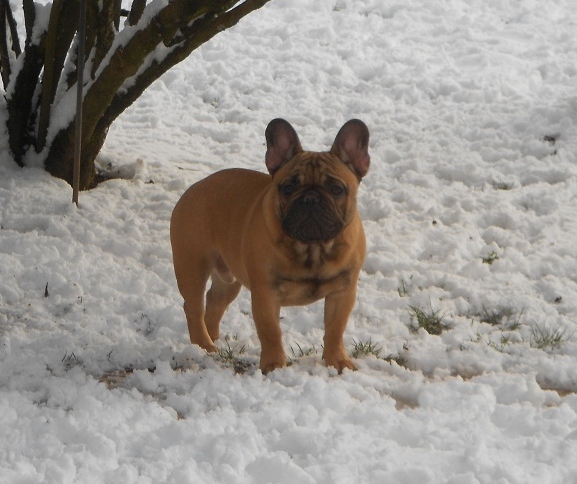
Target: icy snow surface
{"points": [[472, 107]]}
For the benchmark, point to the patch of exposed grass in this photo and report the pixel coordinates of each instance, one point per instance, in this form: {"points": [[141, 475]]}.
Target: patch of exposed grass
{"points": [[398, 359], [490, 257], [230, 356], [404, 287], [366, 348], [500, 185], [501, 316], [504, 342], [301, 353], [546, 337], [229, 353], [542, 337], [506, 317], [514, 324], [431, 321], [494, 317]]}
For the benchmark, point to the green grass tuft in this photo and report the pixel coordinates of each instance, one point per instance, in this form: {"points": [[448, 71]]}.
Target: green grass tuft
{"points": [[490, 257], [494, 317], [301, 353], [431, 321], [505, 341], [404, 287], [500, 316], [398, 359], [548, 337], [499, 185], [230, 356], [366, 348]]}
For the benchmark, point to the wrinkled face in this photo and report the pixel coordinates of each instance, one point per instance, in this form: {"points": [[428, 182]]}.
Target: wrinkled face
{"points": [[316, 197]]}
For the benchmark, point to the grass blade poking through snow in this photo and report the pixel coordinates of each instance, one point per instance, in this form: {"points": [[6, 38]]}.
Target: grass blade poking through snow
{"points": [[547, 337], [230, 357], [366, 348], [431, 321]]}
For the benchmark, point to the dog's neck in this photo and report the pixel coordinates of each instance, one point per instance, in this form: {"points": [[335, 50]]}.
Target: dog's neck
{"points": [[313, 255]]}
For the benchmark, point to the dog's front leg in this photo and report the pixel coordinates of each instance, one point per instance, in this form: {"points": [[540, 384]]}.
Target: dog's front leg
{"points": [[266, 314], [338, 307]]}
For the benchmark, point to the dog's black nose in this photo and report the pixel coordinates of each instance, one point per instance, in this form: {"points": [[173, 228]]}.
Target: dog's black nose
{"points": [[311, 198]]}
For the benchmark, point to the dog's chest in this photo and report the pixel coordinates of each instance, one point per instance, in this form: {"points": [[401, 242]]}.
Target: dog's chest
{"points": [[295, 290], [316, 270]]}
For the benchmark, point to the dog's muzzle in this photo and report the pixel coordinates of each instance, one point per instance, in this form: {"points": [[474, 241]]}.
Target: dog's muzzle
{"points": [[311, 218]]}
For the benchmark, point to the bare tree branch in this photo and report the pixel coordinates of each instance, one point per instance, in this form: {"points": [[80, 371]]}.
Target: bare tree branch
{"points": [[136, 11], [29, 17], [48, 81], [61, 30], [19, 102], [117, 14], [4, 58], [13, 29], [104, 32]]}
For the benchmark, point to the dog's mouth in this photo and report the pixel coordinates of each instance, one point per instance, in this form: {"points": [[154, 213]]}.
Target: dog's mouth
{"points": [[311, 218]]}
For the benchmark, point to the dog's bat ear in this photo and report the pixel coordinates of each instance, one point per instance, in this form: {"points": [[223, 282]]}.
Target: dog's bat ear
{"points": [[282, 144], [352, 146]]}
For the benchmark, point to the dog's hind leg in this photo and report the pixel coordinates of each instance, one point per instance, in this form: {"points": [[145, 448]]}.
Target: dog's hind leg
{"points": [[222, 292], [192, 276]]}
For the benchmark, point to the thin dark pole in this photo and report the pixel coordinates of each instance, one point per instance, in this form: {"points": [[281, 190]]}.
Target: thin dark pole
{"points": [[79, 102]]}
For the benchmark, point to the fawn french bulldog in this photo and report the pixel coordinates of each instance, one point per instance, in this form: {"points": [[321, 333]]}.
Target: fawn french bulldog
{"points": [[291, 237]]}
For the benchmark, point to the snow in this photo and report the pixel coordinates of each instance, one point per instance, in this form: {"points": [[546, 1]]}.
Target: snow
{"points": [[472, 112]]}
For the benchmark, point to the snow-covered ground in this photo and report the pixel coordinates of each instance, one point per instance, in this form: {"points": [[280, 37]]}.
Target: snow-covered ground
{"points": [[470, 210]]}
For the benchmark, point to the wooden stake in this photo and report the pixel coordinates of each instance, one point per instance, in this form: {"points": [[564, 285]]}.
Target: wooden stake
{"points": [[79, 101]]}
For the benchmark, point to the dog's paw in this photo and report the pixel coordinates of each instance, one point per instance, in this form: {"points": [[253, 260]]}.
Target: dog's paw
{"points": [[211, 349], [268, 367], [207, 346], [273, 363], [199, 336], [340, 362], [272, 357]]}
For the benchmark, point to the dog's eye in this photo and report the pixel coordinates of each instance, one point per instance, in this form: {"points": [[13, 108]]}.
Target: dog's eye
{"points": [[337, 191], [288, 189]]}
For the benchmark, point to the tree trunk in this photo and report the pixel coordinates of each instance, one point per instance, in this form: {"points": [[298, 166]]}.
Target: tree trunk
{"points": [[60, 159]]}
